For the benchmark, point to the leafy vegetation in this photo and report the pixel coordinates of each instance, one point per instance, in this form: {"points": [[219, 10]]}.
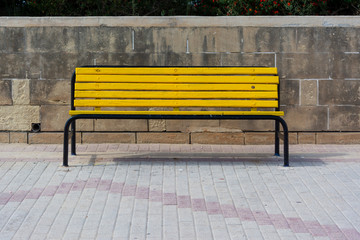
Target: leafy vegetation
{"points": [[177, 7]]}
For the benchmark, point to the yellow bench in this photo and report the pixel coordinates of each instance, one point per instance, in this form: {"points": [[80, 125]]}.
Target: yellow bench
{"points": [[180, 93]]}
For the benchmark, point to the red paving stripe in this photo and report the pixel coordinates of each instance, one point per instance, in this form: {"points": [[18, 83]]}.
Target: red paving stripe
{"points": [[129, 190], [92, 183], [213, 208], [229, 211], [245, 214], [315, 228], [50, 191], [142, 193], [169, 199], [262, 218], [104, 185], [155, 196], [5, 197], [18, 196], [297, 225], [279, 221], [351, 234], [64, 188], [198, 204], [116, 187], [78, 185], [35, 193], [184, 201]]}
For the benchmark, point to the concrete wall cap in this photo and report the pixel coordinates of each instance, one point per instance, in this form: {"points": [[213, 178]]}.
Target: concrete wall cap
{"points": [[184, 21]]}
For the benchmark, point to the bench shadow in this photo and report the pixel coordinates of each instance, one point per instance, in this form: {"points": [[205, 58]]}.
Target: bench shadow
{"points": [[296, 159]]}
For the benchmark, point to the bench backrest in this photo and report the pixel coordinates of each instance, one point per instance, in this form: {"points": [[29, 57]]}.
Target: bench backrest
{"points": [[176, 88]]}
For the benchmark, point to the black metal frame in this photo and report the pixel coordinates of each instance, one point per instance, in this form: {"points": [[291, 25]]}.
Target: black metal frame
{"points": [[72, 122]]}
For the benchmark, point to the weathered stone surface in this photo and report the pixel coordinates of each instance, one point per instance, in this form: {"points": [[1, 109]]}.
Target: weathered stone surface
{"points": [[153, 137], [344, 118], [338, 138], [313, 39], [289, 92], [50, 92], [53, 39], [170, 40], [304, 65], [19, 117], [256, 138], [18, 137], [108, 137], [54, 117], [306, 138], [248, 59], [58, 65], [103, 39], [307, 118], [4, 137], [12, 39], [309, 93], [21, 92], [121, 125], [247, 125], [339, 92], [157, 125], [12, 65], [213, 39], [261, 39], [49, 138], [192, 125], [218, 138], [5, 92]]}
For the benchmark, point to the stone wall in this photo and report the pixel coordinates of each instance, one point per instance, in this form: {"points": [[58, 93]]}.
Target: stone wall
{"points": [[318, 59]]}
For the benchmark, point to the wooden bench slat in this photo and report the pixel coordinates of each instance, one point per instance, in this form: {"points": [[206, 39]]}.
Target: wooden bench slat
{"points": [[176, 70], [177, 94], [174, 86], [174, 103], [272, 113], [177, 79]]}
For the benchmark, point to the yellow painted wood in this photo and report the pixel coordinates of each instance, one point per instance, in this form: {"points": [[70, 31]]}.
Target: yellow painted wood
{"points": [[176, 87], [177, 79], [271, 113], [174, 103], [176, 70], [177, 94]]}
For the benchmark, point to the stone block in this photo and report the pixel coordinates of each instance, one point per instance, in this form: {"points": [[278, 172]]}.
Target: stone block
{"points": [[259, 138], [214, 39], [91, 137], [338, 138], [307, 118], [247, 125], [304, 65], [50, 138], [13, 65], [205, 59], [345, 65], [4, 137], [18, 137], [157, 125], [18, 117], [218, 138], [50, 92], [314, 39], [51, 39], [173, 138], [58, 65], [309, 93], [192, 125], [104, 125], [248, 59], [5, 92], [54, 117], [337, 92], [143, 40], [289, 92], [12, 39], [104, 39], [21, 92], [122, 59], [170, 40], [306, 138], [261, 39], [344, 118]]}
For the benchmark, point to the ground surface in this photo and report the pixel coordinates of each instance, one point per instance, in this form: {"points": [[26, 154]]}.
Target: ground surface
{"points": [[160, 191]]}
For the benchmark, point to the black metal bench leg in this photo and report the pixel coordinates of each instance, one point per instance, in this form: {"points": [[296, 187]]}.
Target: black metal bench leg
{"points": [[277, 139], [66, 141], [286, 142], [73, 138]]}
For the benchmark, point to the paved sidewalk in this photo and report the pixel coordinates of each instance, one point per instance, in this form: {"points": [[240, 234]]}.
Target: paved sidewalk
{"points": [[163, 191]]}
